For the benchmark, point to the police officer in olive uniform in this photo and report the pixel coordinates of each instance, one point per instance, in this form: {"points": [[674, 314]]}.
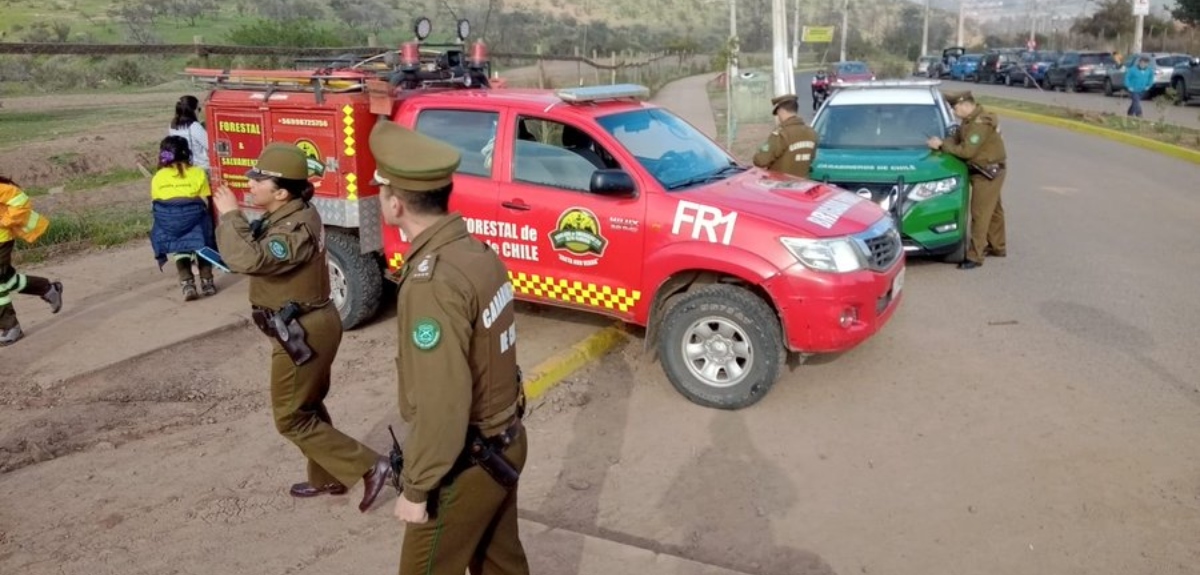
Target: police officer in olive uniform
{"points": [[793, 145], [284, 255], [978, 143], [457, 368]]}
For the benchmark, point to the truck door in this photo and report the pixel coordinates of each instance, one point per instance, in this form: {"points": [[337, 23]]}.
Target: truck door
{"points": [[572, 246]]}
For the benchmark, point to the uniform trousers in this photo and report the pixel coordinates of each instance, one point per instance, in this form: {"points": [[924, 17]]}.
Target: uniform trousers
{"points": [[987, 217], [473, 526], [298, 405]]}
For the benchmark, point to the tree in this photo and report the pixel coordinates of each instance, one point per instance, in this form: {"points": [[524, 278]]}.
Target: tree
{"points": [[1114, 17], [1187, 11]]}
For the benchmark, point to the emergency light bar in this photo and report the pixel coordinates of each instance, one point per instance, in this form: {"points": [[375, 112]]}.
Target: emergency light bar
{"points": [[594, 93], [888, 84]]}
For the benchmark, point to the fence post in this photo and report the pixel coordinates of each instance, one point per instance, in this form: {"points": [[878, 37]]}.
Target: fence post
{"points": [[201, 52], [578, 66], [613, 62], [372, 40], [596, 60], [541, 69]]}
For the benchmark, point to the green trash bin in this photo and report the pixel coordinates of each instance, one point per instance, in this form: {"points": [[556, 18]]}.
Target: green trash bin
{"points": [[752, 96]]}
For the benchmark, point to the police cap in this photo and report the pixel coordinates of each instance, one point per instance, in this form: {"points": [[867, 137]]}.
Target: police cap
{"points": [[953, 98], [778, 101], [409, 160], [280, 160]]}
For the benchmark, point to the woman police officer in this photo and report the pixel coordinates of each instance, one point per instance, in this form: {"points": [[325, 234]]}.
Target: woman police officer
{"points": [[284, 255]]}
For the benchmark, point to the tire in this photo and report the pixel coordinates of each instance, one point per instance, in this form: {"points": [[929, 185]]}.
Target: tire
{"points": [[1028, 82], [1108, 89], [355, 279], [738, 316], [1180, 91]]}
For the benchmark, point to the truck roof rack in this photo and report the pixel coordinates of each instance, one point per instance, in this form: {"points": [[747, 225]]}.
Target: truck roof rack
{"points": [[585, 94]]}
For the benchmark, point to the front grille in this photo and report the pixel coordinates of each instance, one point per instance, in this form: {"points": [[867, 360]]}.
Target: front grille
{"points": [[881, 244], [874, 191]]}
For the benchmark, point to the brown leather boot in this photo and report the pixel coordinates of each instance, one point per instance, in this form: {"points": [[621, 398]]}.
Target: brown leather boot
{"points": [[373, 482]]}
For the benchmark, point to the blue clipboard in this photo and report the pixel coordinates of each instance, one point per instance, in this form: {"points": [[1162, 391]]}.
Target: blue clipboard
{"points": [[214, 258]]}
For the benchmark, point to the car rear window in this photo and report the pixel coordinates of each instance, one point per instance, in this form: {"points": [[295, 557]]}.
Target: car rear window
{"points": [[1096, 59], [1170, 60], [854, 68]]}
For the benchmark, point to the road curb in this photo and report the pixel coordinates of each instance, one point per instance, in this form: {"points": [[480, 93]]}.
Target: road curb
{"points": [[1179, 152], [550, 372]]}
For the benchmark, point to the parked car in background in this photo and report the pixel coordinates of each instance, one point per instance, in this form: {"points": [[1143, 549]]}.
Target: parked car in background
{"points": [[965, 67], [994, 67], [1164, 64], [941, 68], [1077, 71], [1033, 70], [850, 71], [923, 64], [1186, 81]]}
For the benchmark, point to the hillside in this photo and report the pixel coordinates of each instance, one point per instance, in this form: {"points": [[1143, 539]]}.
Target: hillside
{"points": [[510, 25]]}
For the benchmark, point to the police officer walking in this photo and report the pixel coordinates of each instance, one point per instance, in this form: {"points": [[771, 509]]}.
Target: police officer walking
{"points": [[459, 385], [978, 143], [284, 255], [793, 145]]}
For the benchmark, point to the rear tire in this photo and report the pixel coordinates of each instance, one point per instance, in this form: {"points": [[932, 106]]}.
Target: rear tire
{"points": [[1108, 89], [355, 279], [721, 346]]}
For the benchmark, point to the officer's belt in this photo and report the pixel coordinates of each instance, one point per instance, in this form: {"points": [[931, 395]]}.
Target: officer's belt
{"points": [[304, 307], [504, 418]]}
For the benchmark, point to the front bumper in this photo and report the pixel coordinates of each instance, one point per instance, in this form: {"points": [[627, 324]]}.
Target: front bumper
{"points": [[829, 313]]}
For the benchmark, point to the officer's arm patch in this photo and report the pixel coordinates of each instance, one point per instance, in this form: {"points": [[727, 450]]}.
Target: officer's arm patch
{"points": [[422, 271], [426, 333], [974, 139], [278, 246]]}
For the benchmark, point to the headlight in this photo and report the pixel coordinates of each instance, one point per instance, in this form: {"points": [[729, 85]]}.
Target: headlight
{"points": [[837, 255], [926, 190]]}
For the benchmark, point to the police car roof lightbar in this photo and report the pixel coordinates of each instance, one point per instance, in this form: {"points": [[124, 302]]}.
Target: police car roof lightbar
{"points": [[610, 92], [888, 84]]}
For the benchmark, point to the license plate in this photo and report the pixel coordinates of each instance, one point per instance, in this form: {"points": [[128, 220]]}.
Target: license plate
{"points": [[898, 283]]}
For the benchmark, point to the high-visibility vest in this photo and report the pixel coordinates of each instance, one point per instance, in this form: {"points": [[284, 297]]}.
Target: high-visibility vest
{"points": [[17, 218]]}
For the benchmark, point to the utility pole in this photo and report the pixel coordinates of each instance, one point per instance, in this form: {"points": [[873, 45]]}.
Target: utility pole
{"points": [[784, 76], [1033, 22], [845, 31], [731, 75], [925, 31], [796, 34], [961, 6], [1140, 9]]}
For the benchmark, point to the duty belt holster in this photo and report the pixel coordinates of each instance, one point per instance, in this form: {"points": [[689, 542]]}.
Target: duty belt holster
{"points": [[284, 326], [989, 171]]}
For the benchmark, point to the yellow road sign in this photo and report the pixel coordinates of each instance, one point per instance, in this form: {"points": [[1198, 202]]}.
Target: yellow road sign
{"points": [[817, 34]]}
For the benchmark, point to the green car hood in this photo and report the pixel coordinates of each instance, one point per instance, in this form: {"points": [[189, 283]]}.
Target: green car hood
{"points": [[875, 165]]}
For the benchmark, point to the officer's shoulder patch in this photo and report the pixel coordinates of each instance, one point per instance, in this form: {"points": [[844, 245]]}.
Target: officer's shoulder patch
{"points": [[765, 148], [974, 138], [279, 248], [422, 271], [426, 333]]}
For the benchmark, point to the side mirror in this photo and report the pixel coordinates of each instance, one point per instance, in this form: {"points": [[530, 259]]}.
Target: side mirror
{"points": [[612, 182]]}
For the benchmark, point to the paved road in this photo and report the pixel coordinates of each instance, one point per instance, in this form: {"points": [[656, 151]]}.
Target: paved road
{"points": [[1187, 116], [1037, 415]]}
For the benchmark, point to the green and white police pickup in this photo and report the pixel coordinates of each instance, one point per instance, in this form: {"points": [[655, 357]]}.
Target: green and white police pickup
{"points": [[872, 141]]}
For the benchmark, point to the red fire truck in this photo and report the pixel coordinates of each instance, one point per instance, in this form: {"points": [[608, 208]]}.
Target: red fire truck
{"points": [[596, 200]]}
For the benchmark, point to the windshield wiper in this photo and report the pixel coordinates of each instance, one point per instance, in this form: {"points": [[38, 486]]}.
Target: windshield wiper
{"points": [[720, 172]]}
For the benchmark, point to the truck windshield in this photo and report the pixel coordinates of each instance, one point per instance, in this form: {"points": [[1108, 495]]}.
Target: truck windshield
{"points": [[879, 126], [674, 152]]}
